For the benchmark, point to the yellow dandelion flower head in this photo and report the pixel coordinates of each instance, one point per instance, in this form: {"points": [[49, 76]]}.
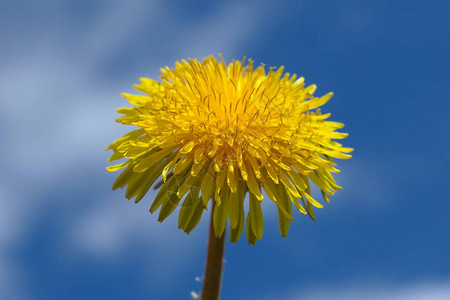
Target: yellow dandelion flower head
{"points": [[217, 131]]}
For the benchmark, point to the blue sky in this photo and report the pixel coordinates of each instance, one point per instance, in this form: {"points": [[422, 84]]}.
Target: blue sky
{"points": [[64, 234]]}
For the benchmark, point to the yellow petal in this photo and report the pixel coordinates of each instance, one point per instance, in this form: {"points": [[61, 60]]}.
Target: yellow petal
{"points": [[231, 180], [182, 164], [152, 159], [253, 184], [117, 167]]}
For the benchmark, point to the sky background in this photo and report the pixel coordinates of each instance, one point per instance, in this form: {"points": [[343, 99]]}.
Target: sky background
{"points": [[64, 234]]}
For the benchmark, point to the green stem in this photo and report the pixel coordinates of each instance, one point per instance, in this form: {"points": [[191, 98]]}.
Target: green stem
{"points": [[214, 261]]}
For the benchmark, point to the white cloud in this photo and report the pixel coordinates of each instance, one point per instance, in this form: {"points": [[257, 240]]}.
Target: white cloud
{"points": [[12, 275], [12, 278], [108, 227], [104, 228], [60, 116], [227, 31], [420, 290], [115, 25], [364, 187]]}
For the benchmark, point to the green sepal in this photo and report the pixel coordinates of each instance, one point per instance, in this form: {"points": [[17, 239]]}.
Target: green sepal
{"points": [[320, 184], [325, 196], [274, 192], [256, 217], [152, 175], [123, 178], [233, 211], [134, 184], [190, 203], [196, 216], [207, 186], [137, 180], [169, 206], [221, 211], [152, 158], [309, 209], [307, 204], [169, 188], [172, 196], [298, 205], [188, 208], [143, 189], [251, 238], [131, 135], [115, 156], [236, 231], [284, 222]]}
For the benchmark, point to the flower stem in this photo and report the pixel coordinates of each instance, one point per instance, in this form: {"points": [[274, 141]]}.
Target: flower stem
{"points": [[214, 261]]}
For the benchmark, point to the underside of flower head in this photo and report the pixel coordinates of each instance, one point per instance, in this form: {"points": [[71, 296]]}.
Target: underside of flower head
{"points": [[217, 131]]}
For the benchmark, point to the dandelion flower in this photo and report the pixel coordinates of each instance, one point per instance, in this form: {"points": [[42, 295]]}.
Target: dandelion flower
{"points": [[215, 132]]}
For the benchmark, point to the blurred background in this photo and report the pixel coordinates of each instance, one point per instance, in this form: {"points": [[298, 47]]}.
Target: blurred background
{"points": [[64, 234]]}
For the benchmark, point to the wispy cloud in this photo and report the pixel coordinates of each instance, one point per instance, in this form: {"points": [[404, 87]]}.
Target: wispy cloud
{"points": [[59, 114], [224, 32], [420, 290]]}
